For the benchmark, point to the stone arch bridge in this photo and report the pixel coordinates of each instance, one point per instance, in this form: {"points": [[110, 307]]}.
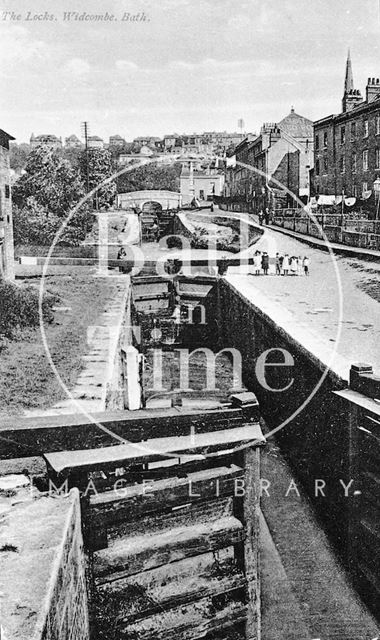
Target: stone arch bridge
{"points": [[139, 199]]}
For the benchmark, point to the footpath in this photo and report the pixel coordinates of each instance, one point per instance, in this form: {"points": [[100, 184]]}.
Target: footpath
{"points": [[333, 313], [305, 592]]}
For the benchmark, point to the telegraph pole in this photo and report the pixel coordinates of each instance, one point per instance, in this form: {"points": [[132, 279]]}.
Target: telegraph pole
{"points": [[85, 131]]}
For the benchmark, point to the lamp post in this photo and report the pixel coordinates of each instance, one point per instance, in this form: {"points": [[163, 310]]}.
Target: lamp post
{"points": [[376, 188]]}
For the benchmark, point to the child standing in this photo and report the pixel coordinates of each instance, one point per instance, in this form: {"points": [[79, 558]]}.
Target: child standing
{"points": [[257, 263], [285, 264], [265, 263], [278, 264], [306, 263]]}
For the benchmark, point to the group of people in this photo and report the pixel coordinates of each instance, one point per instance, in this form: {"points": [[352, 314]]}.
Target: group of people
{"points": [[265, 216], [284, 264]]}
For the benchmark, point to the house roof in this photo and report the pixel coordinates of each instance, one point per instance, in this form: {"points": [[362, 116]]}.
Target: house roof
{"points": [[296, 126], [4, 139], [48, 136]]}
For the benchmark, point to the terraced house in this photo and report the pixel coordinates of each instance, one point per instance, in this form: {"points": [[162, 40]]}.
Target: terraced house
{"points": [[347, 145], [281, 157]]}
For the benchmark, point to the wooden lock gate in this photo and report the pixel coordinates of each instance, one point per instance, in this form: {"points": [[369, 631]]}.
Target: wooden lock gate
{"points": [[173, 533]]}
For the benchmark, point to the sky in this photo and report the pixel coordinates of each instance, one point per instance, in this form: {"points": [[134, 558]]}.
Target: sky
{"points": [[189, 66]]}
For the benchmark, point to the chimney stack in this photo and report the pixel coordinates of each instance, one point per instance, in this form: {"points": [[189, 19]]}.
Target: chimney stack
{"points": [[372, 90]]}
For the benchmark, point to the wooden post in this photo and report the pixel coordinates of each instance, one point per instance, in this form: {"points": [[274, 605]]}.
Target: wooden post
{"points": [[246, 508], [251, 544]]}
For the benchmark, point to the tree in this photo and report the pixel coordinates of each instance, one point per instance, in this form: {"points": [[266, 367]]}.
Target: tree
{"points": [[151, 176], [33, 225], [18, 155], [100, 167], [72, 154], [52, 181]]}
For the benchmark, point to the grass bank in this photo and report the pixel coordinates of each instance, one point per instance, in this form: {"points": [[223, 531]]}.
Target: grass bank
{"points": [[27, 380]]}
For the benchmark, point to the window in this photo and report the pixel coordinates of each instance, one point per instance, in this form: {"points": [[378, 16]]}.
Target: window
{"points": [[316, 142], [325, 166], [377, 165], [342, 164], [353, 130], [317, 167], [325, 138], [7, 191], [354, 162], [365, 160], [342, 135], [378, 124], [365, 126]]}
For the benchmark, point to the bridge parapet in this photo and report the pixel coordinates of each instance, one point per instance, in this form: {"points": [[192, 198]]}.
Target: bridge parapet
{"points": [[167, 199]]}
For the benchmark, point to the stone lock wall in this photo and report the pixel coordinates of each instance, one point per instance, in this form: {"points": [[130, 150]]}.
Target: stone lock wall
{"points": [[315, 440], [43, 583], [67, 617]]}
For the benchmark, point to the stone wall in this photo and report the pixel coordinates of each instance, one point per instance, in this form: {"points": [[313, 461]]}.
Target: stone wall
{"points": [[115, 399], [360, 411], [359, 235], [6, 223], [42, 564], [67, 615], [316, 441]]}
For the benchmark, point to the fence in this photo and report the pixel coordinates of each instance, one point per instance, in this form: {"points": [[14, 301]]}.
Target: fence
{"points": [[355, 233]]}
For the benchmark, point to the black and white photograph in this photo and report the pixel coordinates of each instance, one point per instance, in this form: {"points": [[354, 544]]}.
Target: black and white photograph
{"points": [[189, 320]]}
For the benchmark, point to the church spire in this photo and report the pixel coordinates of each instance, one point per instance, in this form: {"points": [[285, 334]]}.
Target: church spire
{"points": [[349, 79], [351, 96]]}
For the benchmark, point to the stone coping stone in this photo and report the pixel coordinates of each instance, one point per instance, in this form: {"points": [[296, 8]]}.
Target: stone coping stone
{"points": [[32, 533]]}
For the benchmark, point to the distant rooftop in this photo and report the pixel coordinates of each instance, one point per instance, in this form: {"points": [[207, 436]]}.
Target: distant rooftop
{"points": [[296, 126]]}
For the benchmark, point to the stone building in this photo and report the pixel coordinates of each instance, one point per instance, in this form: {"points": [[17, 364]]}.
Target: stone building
{"points": [[281, 157], [6, 225], [206, 143], [347, 145], [172, 143], [73, 142], [47, 139], [153, 142], [200, 183], [116, 141], [94, 142]]}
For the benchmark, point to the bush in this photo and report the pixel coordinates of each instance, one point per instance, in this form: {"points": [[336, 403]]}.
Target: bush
{"points": [[33, 225], [19, 308]]}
